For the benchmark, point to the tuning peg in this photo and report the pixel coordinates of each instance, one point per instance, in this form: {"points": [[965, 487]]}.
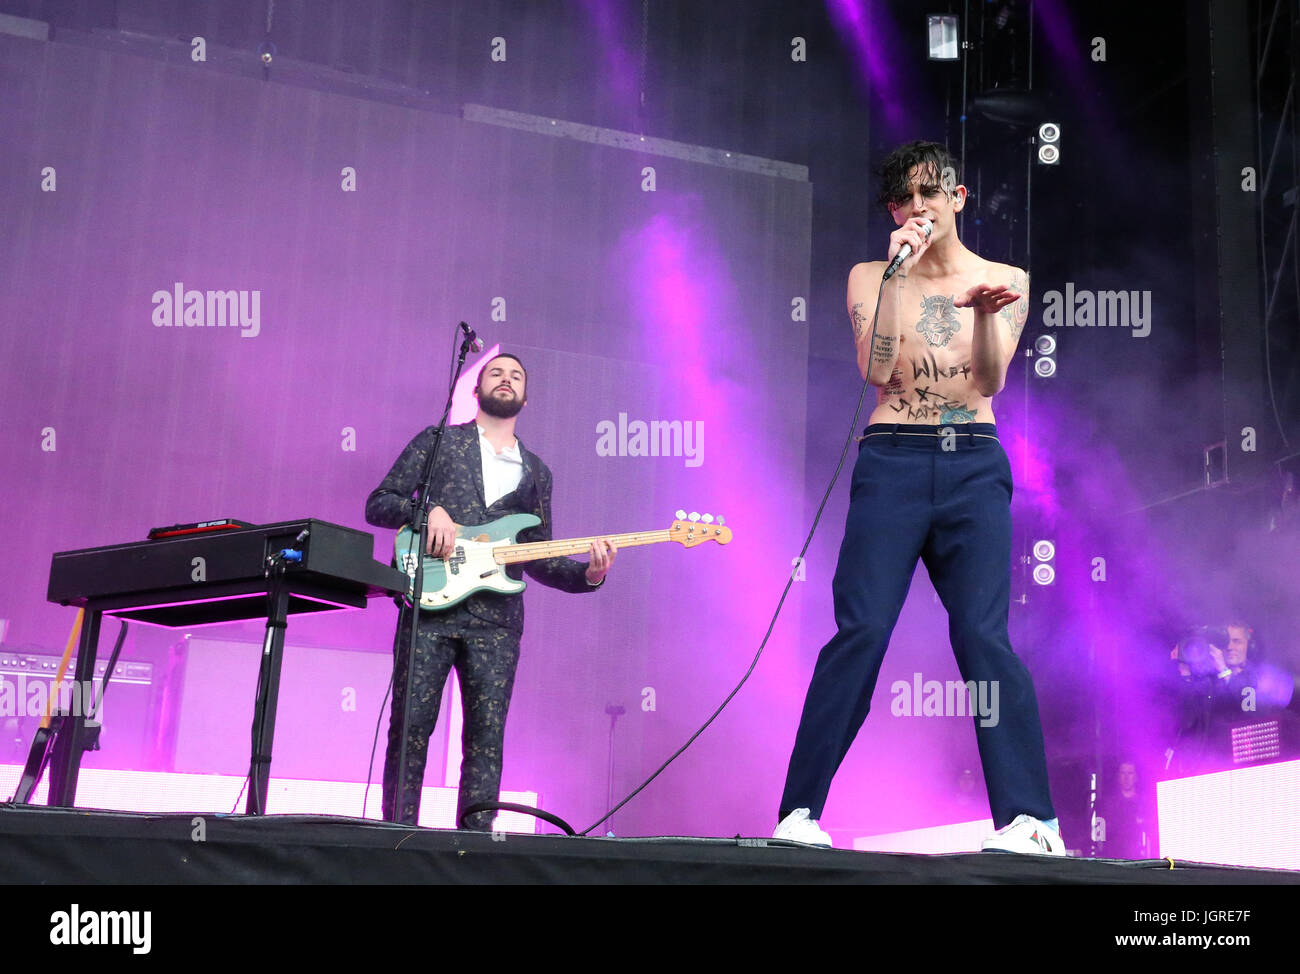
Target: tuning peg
{"points": [[721, 519], [694, 516], [681, 515], [706, 518]]}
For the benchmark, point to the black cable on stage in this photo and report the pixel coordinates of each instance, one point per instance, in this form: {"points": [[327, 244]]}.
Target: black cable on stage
{"points": [[786, 591], [374, 746], [540, 813]]}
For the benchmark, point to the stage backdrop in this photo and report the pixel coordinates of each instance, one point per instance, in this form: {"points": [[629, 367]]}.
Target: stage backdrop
{"points": [[231, 298]]}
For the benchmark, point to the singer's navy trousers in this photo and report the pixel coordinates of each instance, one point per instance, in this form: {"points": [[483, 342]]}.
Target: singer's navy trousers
{"points": [[941, 494]]}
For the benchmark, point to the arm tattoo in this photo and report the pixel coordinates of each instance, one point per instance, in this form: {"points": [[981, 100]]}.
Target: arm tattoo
{"points": [[882, 350], [1016, 313], [859, 322]]}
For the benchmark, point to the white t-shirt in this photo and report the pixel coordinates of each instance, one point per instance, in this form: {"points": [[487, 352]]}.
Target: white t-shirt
{"points": [[501, 471]]}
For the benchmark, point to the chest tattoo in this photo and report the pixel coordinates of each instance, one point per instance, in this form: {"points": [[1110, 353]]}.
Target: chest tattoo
{"points": [[939, 320]]}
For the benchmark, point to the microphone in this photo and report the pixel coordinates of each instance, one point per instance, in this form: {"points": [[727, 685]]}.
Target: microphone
{"points": [[475, 342], [904, 252]]}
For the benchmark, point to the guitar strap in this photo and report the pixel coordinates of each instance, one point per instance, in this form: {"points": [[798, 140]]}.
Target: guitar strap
{"points": [[63, 667]]}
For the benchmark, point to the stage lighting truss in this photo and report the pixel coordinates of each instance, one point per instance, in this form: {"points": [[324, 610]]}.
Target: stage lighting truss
{"points": [[942, 32], [1044, 570], [1049, 144], [1045, 363]]}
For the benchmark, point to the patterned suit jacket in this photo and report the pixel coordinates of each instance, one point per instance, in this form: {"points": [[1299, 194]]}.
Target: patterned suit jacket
{"points": [[458, 489]]}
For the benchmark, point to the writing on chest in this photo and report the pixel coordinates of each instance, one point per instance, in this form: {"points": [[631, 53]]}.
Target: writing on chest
{"points": [[921, 362]]}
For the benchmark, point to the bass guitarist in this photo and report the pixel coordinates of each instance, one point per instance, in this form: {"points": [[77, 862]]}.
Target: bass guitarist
{"points": [[483, 473]]}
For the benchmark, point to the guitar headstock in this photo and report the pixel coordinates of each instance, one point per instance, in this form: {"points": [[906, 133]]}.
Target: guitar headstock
{"points": [[693, 529]]}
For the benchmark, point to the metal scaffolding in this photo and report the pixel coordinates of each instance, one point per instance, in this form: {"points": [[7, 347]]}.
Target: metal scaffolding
{"points": [[1277, 48]]}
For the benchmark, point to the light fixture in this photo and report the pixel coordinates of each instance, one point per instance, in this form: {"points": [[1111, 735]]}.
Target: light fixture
{"points": [[1049, 144], [1044, 571], [1216, 464], [1045, 364], [942, 32]]}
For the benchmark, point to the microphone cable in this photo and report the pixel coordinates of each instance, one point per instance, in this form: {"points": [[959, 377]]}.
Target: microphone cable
{"points": [[784, 592]]}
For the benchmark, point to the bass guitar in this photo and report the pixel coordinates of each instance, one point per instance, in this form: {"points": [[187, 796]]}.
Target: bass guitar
{"points": [[482, 552]]}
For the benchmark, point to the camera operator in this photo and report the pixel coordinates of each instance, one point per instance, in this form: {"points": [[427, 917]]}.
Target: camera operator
{"points": [[1221, 685], [1198, 688]]}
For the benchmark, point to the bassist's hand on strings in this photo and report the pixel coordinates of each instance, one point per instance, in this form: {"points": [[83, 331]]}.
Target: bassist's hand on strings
{"points": [[441, 538], [602, 554]]}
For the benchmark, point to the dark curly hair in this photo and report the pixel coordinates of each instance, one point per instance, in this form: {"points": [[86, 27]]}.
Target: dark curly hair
{"points": [[931, 157]]}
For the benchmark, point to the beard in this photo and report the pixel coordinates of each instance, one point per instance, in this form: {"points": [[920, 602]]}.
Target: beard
{"points": [[500, 408]]}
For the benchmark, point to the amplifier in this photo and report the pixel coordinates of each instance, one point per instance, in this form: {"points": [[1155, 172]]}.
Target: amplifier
{"points": [[329, 705], [128, 739]]}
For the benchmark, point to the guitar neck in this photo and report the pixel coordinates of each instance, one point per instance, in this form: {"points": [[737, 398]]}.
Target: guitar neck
{"points": [[512, 553]]}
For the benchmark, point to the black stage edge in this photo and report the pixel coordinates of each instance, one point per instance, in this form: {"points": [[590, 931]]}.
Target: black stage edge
{"points": [[83, 847]]}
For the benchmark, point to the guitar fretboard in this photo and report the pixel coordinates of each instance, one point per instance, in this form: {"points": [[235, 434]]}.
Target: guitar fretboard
{"points": [[510, 554]]}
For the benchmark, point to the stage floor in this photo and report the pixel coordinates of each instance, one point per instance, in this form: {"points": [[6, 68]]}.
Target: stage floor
{"points": [[85, 847]]}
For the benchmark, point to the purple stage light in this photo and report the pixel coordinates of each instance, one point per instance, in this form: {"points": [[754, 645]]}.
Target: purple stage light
{"points": [[622, 67], [868, 32], [464, 405]]}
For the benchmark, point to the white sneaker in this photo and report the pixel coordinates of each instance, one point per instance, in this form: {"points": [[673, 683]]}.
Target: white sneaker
{"points": [[798, 827], [1027, 835]]}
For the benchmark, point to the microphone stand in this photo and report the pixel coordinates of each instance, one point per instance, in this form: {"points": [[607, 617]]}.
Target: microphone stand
{"points": [[615, 711], [420, 527]]}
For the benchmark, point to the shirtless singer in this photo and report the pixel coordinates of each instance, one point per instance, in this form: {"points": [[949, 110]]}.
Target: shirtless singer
{"points": [[931, 482]]}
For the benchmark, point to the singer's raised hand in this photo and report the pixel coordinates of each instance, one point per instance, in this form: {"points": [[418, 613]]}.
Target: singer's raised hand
{"points": [[987, 298]]}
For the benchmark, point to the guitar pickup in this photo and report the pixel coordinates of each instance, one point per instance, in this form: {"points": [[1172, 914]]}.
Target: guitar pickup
{"points": [[456, 560], [489, 573]]}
